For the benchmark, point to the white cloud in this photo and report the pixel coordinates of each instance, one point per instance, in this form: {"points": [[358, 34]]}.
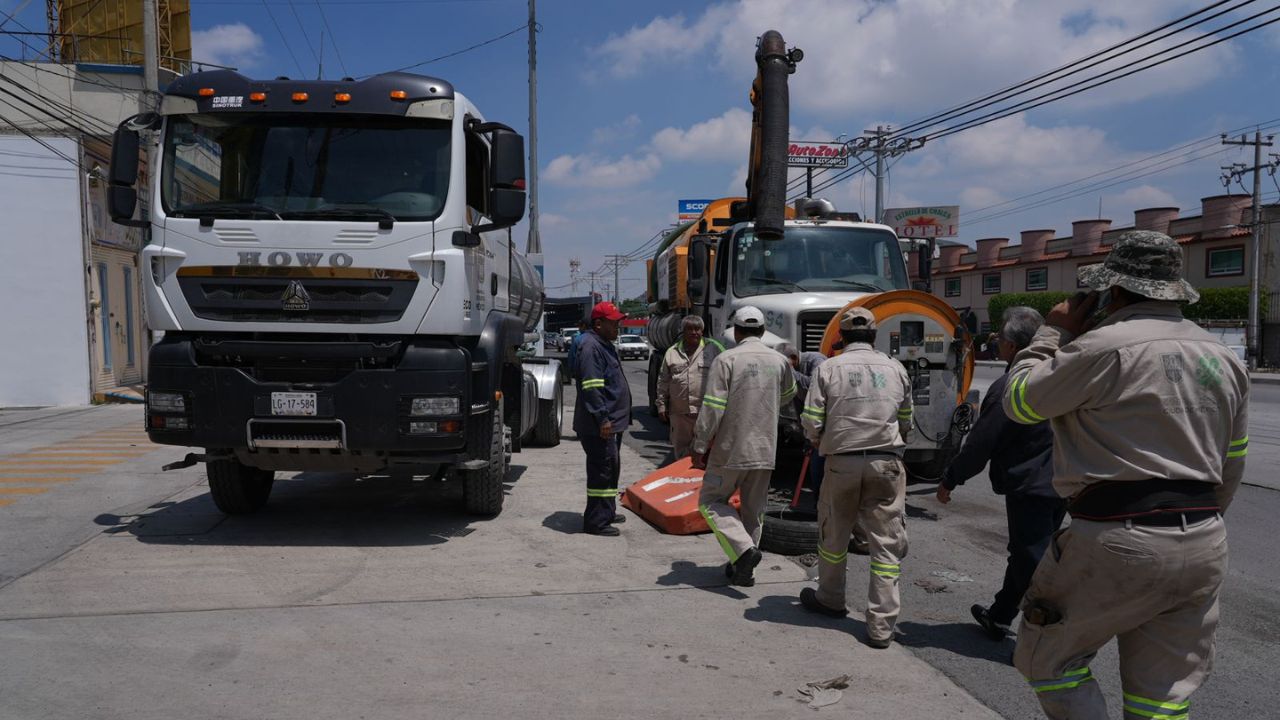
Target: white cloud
{"points": [[725, 137], [1143, 196], [598, 172], [915, 56], [624, 129], [235, 45]]}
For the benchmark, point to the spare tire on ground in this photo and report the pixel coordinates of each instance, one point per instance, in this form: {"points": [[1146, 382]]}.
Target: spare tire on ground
{"points": [[789, 531]]}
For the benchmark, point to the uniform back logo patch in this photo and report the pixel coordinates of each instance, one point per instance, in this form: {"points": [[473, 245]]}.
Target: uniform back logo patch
{"points": [[1172, 367], [877, 379], [1209, 371]]}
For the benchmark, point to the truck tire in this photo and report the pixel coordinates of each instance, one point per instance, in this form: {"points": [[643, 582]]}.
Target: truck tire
{"points": [[238, 489], [546, 431], [789, 532], [482, 490]]}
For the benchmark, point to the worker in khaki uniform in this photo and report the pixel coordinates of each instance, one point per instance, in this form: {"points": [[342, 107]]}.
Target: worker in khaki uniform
{"points": [[736, 438], [1149, 424], [858, 413], [681, 382]]}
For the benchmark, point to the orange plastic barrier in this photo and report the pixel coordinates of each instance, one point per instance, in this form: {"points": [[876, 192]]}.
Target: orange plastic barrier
{"points": [[668, 498]]}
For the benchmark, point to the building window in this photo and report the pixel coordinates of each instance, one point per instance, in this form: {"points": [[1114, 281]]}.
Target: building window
{"points": [[991, 283], [1037, 279], [953, 287], [1224, 262]]}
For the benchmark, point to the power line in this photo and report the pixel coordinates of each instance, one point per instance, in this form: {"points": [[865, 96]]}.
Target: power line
{"points": [[283, 39], [305, 35], [333, 39], [1074, 66], [455, 53], [1063, 93], [1078, 86]]}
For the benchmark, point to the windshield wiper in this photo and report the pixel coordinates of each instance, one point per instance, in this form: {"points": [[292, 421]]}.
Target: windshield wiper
{"points": [[859, 285], [776, 281], [385, 219], [224, 208]]}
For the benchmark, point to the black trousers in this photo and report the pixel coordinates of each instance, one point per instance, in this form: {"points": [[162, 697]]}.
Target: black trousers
{"points": [[1032, 522], [603, 469]]}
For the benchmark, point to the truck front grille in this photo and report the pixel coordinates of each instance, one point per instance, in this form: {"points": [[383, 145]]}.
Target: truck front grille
{"points": [[319, 300], [813, 325]]}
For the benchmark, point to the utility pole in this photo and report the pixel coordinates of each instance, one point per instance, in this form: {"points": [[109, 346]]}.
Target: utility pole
{"points": [[534, 246], [617, 261], [150, 57], [881, 143], [1255, 275]]}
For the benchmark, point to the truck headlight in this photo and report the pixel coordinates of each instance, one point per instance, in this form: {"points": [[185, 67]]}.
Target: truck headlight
{"points": [[434, 406], [167, 402]]}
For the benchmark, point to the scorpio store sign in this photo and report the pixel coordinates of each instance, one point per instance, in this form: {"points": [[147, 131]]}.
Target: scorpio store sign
{"points": [[805, 154], [924, 222], [690, 210]]}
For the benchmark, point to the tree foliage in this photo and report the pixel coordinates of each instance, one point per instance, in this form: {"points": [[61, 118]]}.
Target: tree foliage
{"points": [[1231, 303], [1043, 302]]}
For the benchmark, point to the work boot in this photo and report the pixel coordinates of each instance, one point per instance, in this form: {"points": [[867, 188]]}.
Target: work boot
{"points": [[744, 568], [809, 599], [880, 644], [728, 570], [994, 630], [606, 531], [619, 518]]}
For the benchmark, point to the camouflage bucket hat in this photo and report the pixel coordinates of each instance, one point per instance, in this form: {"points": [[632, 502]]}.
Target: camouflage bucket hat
{"points": [[1145, 262]]}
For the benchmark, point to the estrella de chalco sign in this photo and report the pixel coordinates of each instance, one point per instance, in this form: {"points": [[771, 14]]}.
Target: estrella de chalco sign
{"points": [[924, 222]]}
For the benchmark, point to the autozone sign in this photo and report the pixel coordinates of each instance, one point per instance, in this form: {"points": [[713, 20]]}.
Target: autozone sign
{"points": [[817, 154]]}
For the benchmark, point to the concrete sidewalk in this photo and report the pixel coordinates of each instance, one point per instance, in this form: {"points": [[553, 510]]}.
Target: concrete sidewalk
{"points": [[375, 598]]}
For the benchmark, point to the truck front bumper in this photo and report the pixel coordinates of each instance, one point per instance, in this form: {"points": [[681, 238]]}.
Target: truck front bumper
{"points": [[362, 410]]}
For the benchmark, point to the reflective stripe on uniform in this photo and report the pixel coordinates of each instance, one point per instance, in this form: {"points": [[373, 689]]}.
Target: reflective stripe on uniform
{"points": [[815, 413], [903, 414], [885, 569], [602, 492], [715, 402], [724, 541], [833, 558], [1020, 406], [1239, 448], [589, 383], [789, 392], [1070, 679], [1158, 709]]}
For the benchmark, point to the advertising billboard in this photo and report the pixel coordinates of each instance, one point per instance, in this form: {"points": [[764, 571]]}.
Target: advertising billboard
{"points": [[690, 210], [924, 222], [801, 153]]}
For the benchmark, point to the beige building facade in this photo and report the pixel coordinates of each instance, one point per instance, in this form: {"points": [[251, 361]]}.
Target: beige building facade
{"points": [[1217, 252]]}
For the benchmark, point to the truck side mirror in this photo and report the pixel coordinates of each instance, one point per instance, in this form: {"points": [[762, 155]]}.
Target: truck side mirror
{"points": [[122, 196], [506, 179], [699, 265]]}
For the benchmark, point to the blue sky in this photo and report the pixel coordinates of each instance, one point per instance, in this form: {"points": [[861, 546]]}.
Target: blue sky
{"points": [[644, 103]]}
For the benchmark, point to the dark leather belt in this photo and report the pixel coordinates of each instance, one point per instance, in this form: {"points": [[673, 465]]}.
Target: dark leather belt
{"points": [[1173, 519], [882, 453], [1155, 501]]}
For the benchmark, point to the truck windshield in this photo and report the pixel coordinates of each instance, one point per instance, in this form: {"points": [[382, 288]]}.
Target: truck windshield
{"points": [[818, 259], [294, 166]]}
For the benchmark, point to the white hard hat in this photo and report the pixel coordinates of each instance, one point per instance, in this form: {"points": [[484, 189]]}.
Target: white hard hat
{"points": [[748, 317]]}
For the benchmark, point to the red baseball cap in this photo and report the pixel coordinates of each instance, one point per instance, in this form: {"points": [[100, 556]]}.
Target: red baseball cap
{"points": [[606, 311]]}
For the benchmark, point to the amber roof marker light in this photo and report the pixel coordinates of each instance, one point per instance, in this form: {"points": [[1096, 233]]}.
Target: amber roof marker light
{"points": [[300, 97]]}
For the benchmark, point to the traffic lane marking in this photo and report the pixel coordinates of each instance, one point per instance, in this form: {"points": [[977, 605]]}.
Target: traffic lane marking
{"points": [[85, 453], [7, 501], [11, 460], [22, 490], [11, 478]]}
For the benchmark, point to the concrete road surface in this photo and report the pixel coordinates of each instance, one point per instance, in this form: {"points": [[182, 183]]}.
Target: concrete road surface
{"points": [[125, 594], [957, 559]]}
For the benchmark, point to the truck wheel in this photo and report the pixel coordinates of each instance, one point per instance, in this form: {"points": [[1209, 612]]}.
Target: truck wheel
{"points": [[789, 532], [546, 432], [482, 491], [238, 489]]}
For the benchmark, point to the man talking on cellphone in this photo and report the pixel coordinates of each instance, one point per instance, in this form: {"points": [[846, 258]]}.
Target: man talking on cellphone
{"points": [[1149, 423]]}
